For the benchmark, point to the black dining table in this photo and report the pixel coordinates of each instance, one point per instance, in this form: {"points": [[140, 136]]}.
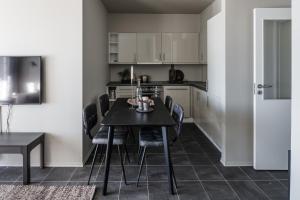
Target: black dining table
{"points": [[122, 114]]}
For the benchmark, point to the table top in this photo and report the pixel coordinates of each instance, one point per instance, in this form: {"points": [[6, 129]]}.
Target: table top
{"points": [[121, 115], [19, 138]]}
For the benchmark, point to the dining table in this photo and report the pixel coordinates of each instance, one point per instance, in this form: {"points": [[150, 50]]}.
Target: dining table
{"points": [[123, 114]]}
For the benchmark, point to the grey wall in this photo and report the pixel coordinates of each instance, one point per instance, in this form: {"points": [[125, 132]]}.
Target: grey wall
{"points": [[95, 67], [159, 72], [156, 23], [239, 77]]}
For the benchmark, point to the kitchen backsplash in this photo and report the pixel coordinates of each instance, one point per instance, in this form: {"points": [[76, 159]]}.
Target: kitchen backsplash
{"points": [[161, 72]]}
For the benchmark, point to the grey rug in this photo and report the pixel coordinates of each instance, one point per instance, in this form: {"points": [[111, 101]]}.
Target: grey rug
{"points": [[33, 192]]}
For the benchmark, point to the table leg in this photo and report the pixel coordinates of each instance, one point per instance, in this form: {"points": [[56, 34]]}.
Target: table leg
{"points": [[42, 152], [108, 155], [167, 159], [26, 165]]}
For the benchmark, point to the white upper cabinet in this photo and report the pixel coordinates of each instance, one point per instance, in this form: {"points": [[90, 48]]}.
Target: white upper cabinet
{"points": [[185, 48], [122, 48], [149, 48], [127, 48], [167, 48], [153, 48]]}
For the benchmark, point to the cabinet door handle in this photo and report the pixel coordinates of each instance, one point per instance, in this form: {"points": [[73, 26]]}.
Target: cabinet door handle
{"points": [[164, 56]]}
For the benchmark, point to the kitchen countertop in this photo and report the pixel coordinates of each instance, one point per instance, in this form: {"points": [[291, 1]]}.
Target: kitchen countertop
{"points": [[198, 84]]}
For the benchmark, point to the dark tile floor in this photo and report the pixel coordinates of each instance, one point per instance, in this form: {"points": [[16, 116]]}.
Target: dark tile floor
{"points": [[199, 174]]}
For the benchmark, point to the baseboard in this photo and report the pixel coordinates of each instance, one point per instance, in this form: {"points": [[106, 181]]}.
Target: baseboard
{"points": [[237, 164], [210, 139], [69, 164], [188, 120]]}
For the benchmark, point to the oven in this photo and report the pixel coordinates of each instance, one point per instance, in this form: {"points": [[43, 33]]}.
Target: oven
{"points": [[153, 91]]}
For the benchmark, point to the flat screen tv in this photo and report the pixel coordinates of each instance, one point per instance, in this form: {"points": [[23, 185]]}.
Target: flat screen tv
{"points": [[20, 80]]}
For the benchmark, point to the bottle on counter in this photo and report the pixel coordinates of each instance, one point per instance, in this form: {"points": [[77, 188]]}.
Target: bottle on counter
{"points": [[172, 74], [138, 91]]}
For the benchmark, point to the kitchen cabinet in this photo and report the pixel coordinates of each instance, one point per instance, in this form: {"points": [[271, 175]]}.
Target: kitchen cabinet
{"points": [[149, 48], [122, 48], [167, 48], [181, 95], [185, 48]]}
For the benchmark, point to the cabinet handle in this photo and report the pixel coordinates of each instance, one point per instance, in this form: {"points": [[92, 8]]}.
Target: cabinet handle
{"points": [[164, 56], [161, 57]]}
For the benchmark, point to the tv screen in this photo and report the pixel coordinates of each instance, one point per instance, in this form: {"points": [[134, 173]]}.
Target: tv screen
{"points": [[20, 80]]}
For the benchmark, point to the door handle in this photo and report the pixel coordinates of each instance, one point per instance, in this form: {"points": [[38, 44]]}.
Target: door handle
{"points": [[260, 86]]}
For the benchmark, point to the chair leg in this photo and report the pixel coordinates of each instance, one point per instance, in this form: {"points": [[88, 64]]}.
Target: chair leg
{"points": [[121, 159], [174, 177], [93, 163], [127, 154], [101, 152], [140, 155], [141, 166], [132, 134]]}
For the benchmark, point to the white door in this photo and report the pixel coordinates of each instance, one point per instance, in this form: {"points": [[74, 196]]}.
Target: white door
{"points": [[127, 48], [272, 88], [149, 48]]}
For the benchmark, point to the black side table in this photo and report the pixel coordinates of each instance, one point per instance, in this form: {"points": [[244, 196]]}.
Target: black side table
{"points": [[23, 143]]}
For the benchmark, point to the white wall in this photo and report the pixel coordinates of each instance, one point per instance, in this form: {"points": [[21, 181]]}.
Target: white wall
{"points": [[295, 173], [156, 23], [153, 23], [214, 126], [239, 78], [52, 29], [95, 67]]}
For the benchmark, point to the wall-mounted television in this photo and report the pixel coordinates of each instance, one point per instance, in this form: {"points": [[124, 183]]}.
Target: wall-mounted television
{"points": [[20, 80]]}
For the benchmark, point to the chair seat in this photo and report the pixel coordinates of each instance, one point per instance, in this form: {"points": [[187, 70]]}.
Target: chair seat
{"points": [[117, 129], [150, 137], [101, 137]]}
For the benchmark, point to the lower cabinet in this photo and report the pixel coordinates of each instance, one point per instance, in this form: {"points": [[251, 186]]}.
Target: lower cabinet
{"points": [[199, 105], [125, 91], [180, 95]]}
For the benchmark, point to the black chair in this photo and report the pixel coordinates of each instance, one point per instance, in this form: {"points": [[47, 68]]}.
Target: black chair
{"points": [[169, 103], [104, 108], [90, 120], [153, 138]]}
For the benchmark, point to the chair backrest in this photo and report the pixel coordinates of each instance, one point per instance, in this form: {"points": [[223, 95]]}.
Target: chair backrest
{"points": [[168, 103], [178, 115], [104, 104], [90, 119]]}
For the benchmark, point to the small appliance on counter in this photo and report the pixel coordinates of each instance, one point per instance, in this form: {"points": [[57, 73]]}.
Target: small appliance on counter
{"points": [[145, 78], [175, 76]]}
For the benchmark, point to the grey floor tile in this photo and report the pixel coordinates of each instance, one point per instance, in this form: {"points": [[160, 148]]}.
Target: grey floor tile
{"points": [[199, 159], [10, 174], [280, 175], [115, 173], [219, 190], [160, 190], [157, 173], [130, 191], [247, 190], [132, 172], [257, 174], [113, 189], [273, 189], [232, 173], [285, 183], [82, 174], [37, 174], [191, 191], [159, 159], [183, 173], [208, 173], [60, 174], [193, 147], [54, 183]]}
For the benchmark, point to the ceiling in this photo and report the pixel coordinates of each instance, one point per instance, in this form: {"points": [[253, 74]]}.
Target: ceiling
{"points": [[156, 6]]}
